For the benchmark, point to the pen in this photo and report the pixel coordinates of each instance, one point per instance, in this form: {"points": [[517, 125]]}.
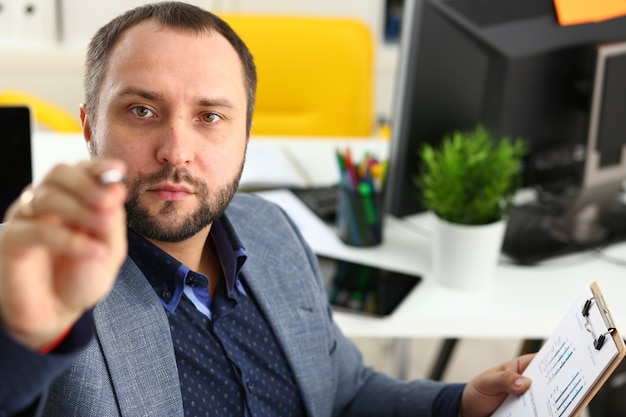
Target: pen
{"points": [[110, 176], [368, 205], [340, 161], [351, 169]]}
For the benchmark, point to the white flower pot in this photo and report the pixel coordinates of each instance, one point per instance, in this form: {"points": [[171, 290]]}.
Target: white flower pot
{"points": [[465, 257]]}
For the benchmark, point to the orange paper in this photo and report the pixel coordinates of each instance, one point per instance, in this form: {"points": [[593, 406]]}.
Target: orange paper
{"points": [[573, 12]]}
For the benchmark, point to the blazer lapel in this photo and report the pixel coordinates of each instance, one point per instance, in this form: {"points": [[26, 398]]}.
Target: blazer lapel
{"points": [[132, 328], [296, 316]]}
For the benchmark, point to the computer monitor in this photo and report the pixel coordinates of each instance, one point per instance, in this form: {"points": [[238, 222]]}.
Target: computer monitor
{"points": [[16, 166], [605, 162], [509, 66]]}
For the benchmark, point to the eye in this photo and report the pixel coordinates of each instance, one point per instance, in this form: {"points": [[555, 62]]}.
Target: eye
{"points": [[142, 111], [211, 117]]}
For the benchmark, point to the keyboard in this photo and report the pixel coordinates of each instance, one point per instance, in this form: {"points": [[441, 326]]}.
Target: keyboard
{"points": [[321, 200]]}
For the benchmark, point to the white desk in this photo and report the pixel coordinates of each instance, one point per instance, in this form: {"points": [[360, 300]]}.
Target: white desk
{"points": [[523, 302], [315, 158]]}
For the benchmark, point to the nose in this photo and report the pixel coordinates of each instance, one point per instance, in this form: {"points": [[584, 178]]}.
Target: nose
{"points": [[176, 146]]}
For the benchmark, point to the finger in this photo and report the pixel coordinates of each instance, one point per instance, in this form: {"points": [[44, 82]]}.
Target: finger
{"points": [[83, 182], [55, 237], [27, 207], [57, 205], [115, 237], [87, 181], [523, 361], [82, 196], [16, 206]]}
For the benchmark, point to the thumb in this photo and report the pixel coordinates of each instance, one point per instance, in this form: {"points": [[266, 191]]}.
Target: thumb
{"points": [[508, 377], [507, 382], [501, 383]]}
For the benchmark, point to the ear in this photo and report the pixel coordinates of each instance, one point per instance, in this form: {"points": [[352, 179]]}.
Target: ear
{"points": [[84, 120]]}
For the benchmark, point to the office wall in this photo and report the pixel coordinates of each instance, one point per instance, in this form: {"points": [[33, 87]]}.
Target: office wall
{"points": [[80, 18], [55, 74], [52, 66], [31, 22]]}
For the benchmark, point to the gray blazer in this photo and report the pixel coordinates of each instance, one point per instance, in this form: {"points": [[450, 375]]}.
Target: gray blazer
{"points": [[129, 369]]}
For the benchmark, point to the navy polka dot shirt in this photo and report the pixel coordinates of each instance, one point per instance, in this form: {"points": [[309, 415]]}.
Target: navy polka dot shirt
{"points": [[229, 361]]}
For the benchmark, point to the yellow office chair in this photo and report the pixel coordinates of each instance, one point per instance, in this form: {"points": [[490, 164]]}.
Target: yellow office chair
{"points": [[315, 74], [45, 113]]}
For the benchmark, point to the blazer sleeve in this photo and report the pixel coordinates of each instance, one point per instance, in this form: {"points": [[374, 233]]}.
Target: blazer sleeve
{"points": [[25, 374], [362, 391]]}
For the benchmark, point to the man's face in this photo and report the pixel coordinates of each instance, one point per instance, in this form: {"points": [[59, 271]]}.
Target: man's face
{"points": [[173, 107]]}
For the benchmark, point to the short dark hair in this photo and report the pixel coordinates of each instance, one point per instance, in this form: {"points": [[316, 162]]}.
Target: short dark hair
{"points": [[170, 14]]}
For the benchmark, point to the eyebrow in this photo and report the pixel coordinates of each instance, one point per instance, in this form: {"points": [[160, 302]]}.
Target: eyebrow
{"points": [[148, 95], [151, 95]]}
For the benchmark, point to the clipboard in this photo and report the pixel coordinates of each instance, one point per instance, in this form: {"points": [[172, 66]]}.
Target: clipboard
{"points": [[573, 364]]}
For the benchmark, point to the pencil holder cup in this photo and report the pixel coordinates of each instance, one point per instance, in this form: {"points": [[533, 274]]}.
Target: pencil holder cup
{"points": [[359, 216]]}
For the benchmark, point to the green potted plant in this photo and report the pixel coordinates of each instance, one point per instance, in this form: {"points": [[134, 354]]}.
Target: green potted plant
{"points": [[469, 182]]}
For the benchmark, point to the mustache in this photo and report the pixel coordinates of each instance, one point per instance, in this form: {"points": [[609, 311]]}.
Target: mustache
{"points": [[172, 174]]}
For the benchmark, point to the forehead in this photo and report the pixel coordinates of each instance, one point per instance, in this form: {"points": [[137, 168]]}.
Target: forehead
{"points": [[151, 49]]}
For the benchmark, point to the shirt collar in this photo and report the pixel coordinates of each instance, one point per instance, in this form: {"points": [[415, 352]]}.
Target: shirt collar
{"points": [[231, 253], [167, 275]]}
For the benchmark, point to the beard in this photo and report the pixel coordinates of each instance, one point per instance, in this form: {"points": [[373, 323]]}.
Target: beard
{"points": [[168, 225]]}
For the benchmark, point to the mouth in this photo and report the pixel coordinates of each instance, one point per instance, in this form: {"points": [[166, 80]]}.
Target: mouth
{"points": [[171, 192]]}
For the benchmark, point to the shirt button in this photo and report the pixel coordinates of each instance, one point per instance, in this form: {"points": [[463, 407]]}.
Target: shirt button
{"points": [[166, 294], [250, 385]]}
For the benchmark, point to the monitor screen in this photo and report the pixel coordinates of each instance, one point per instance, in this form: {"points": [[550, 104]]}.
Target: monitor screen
{"points": [[16, 167], [605, 162], [590, 214], [611, 87]]}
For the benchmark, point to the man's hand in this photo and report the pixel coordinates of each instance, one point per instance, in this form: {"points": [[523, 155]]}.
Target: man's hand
{"points": [[484, 394], [61, 249]]}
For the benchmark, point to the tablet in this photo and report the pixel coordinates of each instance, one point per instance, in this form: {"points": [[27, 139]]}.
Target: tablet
{"points": [[365, 289], [16, 167]]}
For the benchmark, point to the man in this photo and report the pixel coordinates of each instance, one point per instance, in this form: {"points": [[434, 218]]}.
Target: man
{"points": [[217, 307]]}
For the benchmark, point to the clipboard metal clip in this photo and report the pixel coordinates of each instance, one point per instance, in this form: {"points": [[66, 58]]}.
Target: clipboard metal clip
{"points": [[598, 340]]}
